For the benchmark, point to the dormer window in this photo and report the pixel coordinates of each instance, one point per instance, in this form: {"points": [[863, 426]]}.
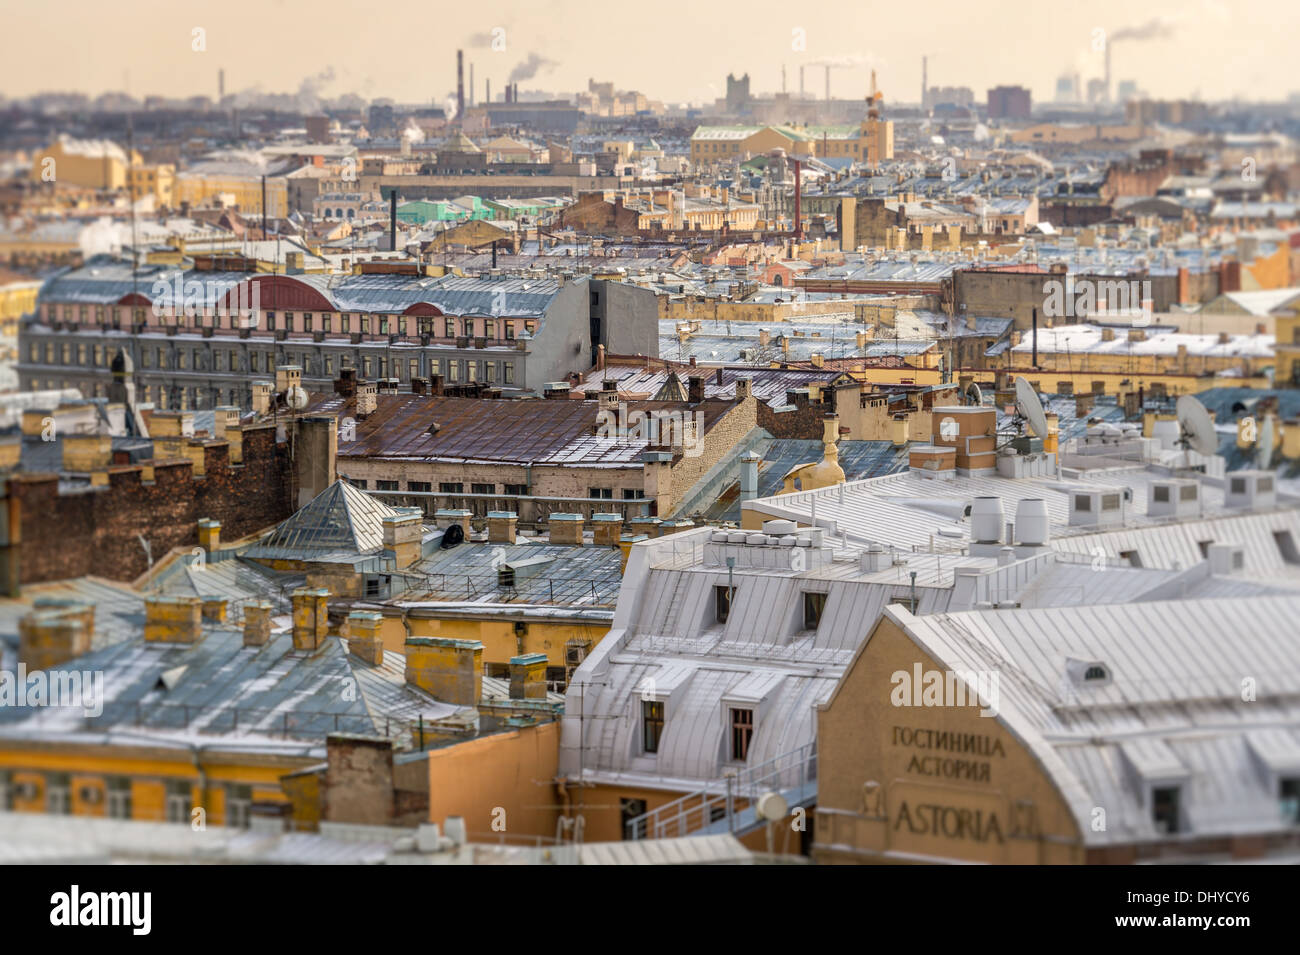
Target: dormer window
{"points": [[1094, 673], [1164, 809], [813, 606]]}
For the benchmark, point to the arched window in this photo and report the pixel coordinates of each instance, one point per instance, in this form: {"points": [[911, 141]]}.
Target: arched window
{"points": [[1095, 673]]}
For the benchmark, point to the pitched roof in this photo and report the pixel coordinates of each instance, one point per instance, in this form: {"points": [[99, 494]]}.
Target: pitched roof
{"points": [[339, 519]]}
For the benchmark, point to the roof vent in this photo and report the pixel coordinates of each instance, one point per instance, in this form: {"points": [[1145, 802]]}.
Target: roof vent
{"points": [[1096, 507], [1250, 489], [1175, 497]]}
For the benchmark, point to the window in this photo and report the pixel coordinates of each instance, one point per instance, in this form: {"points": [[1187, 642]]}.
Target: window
{"points": [[813, 605], [419, 486], [600, 493], [239, 800], [520, 490], [1187, 492], [383, 326], [288, 321], [365, 324], [450, 328], [652, 724], [1161, 492], [1110, 502], [325, 323], [345, 325], [1164, 809], [306, 321], [1289, 797], [483, 488], [1205, 548], [631, 494], [1133, 557], [489, 328], [1238, 485], [386, 485], [1286, 546], [510, 330], [508, 372], [359, 483], [1082, 502], [179, 795], [6, 791], [58, 794], [1095, 673], [721, 603], [119, 798], [742, 731], [489, 371], [451, 488], [628, 810], [453, 370]]}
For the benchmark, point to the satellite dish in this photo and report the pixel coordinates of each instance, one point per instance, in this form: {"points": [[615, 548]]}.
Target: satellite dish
{"points": [[296, 398], [1264, 446], [974, 396], [1197, 426], [772, 807], [1031, 408]]}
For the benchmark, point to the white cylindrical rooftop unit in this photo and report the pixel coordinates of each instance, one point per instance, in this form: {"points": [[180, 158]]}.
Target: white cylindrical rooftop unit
{"points": [[986, 520], [1007, 555], [1032, 528]]}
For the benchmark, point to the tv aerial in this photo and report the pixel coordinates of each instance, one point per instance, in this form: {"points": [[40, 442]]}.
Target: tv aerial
{"points": [[1196, 428]]}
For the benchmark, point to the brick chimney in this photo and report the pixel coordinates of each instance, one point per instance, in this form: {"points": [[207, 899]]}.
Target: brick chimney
{"points": [[257, 623], [446, 516], [607, 529], [528, 677], [345, 385], [363, 636], [89, 453], [435, 385], [565, 528], [609, 395], [695, 389], [402, 537], [54, 632], [261, 398], [419, 386], [173, 619], [310, 617], [209, 535], [450, 670], [649, 526], [214, 609], [367, 398], [501, 526], [744, 388]]}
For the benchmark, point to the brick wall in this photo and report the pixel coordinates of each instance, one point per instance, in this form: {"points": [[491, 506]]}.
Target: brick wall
{"points": [[87, 531]]}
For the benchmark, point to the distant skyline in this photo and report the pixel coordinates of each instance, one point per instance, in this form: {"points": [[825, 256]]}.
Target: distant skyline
{"points": [[673, 51]]}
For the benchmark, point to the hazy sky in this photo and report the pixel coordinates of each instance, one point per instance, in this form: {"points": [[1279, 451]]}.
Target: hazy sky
{"points": [[674, 50]]}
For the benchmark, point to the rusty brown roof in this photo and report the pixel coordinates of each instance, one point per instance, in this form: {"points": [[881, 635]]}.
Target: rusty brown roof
{"points": [[529, 431]]}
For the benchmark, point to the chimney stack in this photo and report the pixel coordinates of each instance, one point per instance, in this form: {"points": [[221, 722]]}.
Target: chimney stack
{"points": [[402, 537], [257, 623], [695, 389], [528, 677], [392, 217], [173, 619], [363, 636], [448, 669], [460, 84], [209, 535], [607, 528], [565, 528], [54, 632], [501, 526], [310, 617]]}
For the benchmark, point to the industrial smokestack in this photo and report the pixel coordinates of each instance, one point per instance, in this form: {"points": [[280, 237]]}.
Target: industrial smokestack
{"points": [[460, 83], [925, 80], [828, 82], [392, 220], [1107, 94], [801, 81], [487, 90], [470, 101], [221, 85]]}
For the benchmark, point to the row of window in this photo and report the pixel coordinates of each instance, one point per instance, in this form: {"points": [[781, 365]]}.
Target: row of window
{"points": [[216, 359], [814, 605], [116, 795], [457, 487], [740, 722], [497, 329]]}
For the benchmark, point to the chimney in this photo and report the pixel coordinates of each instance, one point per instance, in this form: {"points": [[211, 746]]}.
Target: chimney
{"points": [[695, 389], [257, 623], [419, 386], [764, 336], [749, 462], [310, 617], [460, 84], [367, 398], [345, 385], [609, 395], [528, 677], [363, 636], [565, 528], [402, 536], [54, 632], [450, 670], [446, 516], [501, 527], [209, 535], [90, 453], [435, 385], [261, 398], [392, 217], [744, 388], [817, 360], [647, 526], [607, 528], [173, 619], [214, 609]]}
